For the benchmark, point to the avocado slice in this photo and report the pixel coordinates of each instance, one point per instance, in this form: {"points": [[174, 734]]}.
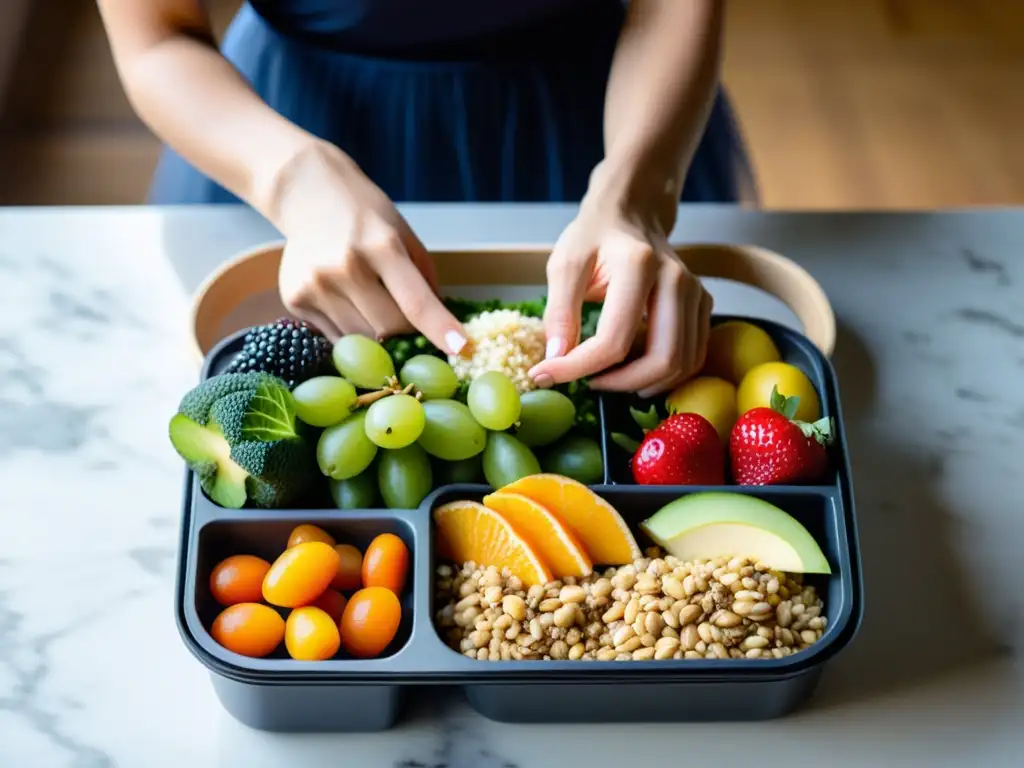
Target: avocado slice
{"points": [[208, 454], [703, 526]]}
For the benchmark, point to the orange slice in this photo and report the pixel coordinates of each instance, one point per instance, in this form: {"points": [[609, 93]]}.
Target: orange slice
{"points": [[544, 532], [595, 523], [471, 531]]}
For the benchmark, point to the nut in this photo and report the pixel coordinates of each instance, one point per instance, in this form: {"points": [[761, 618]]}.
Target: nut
{"points": [[632, 609], [565, 616], [672, 587], [572, 594], [728, 619], [622, 635], [689, 614]]}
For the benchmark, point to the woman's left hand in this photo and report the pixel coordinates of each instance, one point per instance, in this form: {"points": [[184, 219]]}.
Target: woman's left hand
{"points": [[622, 257]]}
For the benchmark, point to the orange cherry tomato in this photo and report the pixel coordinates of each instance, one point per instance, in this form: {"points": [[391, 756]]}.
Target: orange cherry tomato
{"points": [[311, 635], [370, 622], [301, 574], [386, 563], [238, 579], [332, 603], [307, 532], [249, 629], [349, 577]]}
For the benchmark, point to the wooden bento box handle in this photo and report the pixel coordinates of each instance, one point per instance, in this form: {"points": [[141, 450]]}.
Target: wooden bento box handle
{"points": [[254, 272]]}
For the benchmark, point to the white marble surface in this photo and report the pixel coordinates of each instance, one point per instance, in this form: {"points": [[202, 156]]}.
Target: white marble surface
{"points": [[92, 363]]}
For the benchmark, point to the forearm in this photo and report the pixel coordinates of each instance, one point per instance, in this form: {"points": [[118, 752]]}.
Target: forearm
{"points": [[662, 84], [195, 101]]}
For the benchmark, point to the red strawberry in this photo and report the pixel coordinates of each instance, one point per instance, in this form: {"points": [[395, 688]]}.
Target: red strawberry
{"points": [[767, 447], [683, 450]]}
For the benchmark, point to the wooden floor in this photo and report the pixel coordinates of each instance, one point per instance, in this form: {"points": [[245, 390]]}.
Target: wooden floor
{"points": [[845, 104]]}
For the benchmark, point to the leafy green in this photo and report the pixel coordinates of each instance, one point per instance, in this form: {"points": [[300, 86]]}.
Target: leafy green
{"points": [[239, 433], [272, 415]]}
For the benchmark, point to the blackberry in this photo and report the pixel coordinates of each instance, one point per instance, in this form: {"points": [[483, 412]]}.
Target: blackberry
{"points": [[289, 349]]}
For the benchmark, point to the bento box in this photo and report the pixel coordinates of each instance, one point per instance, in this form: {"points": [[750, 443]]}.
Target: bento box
{"points": [[577, 618]]}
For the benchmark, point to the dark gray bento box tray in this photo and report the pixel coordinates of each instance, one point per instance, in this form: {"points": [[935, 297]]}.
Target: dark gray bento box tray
{"points": [[280, 694]]}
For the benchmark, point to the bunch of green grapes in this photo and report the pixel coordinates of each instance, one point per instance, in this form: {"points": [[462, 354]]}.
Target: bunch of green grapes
{"points": [[415, 435], [402, 348]]}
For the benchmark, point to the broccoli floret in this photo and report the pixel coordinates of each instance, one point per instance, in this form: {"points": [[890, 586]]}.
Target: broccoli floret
{"points": [[239, 433]]}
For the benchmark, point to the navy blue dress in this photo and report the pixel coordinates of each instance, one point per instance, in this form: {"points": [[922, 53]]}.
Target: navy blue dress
{"points": [[448, 100]]}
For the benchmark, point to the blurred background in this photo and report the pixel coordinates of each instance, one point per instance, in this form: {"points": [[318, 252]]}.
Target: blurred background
{"points": [[876, 104]]}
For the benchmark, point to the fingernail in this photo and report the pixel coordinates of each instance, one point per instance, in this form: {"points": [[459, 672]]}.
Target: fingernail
{"points": [[555, 348], [544, 381], [455, 342]]}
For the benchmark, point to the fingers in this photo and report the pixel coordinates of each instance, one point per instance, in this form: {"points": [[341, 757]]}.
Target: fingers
{"points": [[707, 306], [695, 331], [664, 351], [568, 273], [321, 322], [419, 302], [626, 297], [419, 255]]}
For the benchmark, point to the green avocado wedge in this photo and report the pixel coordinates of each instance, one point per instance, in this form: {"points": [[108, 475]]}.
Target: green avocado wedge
{"points": [[704, 526]]}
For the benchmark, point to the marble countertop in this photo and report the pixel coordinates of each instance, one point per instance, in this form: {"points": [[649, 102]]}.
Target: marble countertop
{"points": [[93, 361]]}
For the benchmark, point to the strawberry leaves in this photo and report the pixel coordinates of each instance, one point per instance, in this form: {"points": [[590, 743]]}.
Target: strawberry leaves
{"points": [[625, 442], [785, 405], [645, 420], [822, 430]]}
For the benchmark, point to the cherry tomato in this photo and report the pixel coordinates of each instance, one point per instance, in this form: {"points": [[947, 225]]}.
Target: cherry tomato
{"points": [[386, 563], [311, 635], [332, 603], [238, 579], [307, 532], [349, 577], [300, 575], [370, 621], [249, 629]]}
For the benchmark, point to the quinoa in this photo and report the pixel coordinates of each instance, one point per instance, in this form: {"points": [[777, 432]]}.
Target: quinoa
{"points": [[502, 340]]}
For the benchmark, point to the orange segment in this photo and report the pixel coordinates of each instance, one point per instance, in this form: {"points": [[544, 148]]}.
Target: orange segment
{"points": [[595, 523], [470, 531], [544, 532]]}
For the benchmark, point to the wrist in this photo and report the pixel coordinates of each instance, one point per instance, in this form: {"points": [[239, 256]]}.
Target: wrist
{"points": [[637, 185], [305, 186]]}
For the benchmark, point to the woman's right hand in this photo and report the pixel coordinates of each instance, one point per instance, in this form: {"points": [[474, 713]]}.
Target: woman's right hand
{"points": [[351, 263]]}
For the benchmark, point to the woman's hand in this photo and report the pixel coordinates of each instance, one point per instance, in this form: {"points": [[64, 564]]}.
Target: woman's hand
{"points": [[619, 255], [351, 263]]}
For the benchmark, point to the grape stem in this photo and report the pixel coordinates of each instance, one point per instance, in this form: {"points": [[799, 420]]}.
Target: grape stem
{"points": [[391, 387]]}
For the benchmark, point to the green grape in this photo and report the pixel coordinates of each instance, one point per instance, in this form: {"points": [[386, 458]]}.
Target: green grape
{"points": [[395, 421], [507, 460], [469, 470], [359, 492], [324, 400], [362, 361], [494, 401], [404, 477], [344, 450], [430, 375], [576, 457], [451, 433], [546, 416]]}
